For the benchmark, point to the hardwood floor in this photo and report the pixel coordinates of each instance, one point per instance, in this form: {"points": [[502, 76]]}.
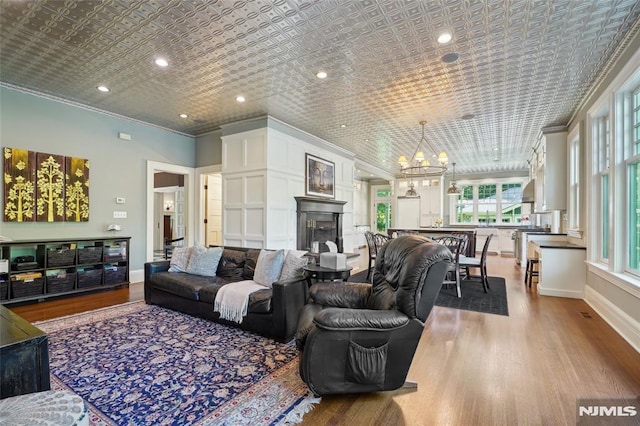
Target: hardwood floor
{"points": [[474, 369]]}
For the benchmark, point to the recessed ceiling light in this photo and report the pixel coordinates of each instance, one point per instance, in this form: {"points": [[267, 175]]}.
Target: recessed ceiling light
{"points": [[103, 89], [450, 57], [321, 74], [343, 125], [161, 62], [184, 116], [240, 99], [495, 148], [444, 38]]}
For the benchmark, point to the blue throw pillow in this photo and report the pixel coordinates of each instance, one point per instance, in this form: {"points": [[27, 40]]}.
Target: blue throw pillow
{"points": [[204, 261]]}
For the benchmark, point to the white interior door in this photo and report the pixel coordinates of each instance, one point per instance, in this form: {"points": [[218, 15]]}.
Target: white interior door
{"points": [[158, 218], [213, 208], [180, 213]]}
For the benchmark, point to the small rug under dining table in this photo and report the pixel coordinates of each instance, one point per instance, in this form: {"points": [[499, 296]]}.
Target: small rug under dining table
{"points": [[473, 297], [138, 364]]}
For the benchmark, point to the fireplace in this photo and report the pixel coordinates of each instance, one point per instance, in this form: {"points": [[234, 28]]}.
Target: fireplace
{"points": [[319, 220]]}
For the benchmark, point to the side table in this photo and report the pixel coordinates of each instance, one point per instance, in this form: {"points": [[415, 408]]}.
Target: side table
{"points": [[320, 273], [25, 356]]}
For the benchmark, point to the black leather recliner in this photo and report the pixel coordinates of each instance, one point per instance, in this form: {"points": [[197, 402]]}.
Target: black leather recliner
{"points": [[357, 337]]}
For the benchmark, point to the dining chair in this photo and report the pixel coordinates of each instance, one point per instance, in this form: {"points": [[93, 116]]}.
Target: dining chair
{"points": [[455, 244], [374, 242], [480, 263]]}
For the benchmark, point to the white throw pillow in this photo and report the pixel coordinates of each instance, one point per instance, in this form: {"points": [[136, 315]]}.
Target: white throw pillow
{"points": [[293, 266], [204, 261], [180, 259], [294, 253], [268, 267]]}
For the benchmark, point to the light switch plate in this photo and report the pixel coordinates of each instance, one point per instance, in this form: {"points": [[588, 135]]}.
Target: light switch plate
{"points": [[119, 214]]}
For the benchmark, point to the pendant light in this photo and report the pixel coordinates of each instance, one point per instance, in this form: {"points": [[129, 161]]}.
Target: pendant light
{"points": [[453, 189]]}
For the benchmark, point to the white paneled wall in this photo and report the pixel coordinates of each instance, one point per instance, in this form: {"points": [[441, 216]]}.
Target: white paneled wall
{"points": [[262, 171]]}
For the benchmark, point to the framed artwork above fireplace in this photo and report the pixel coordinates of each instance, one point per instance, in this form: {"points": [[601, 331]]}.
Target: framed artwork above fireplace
{"points": [[319, 177]]}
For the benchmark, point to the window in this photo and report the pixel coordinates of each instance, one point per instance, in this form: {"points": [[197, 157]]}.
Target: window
{"points": [[464, 205], [489, 202], [601, 142], [511, 208], [632, 164]]}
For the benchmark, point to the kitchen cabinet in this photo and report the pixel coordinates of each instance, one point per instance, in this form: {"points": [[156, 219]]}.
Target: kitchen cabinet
{"points": [[430, 203], [562, 270], [408, 212], [551, 176], [481, 237], [506, 241]]}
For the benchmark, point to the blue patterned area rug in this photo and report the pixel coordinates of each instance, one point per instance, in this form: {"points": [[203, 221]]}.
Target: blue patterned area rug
{"points": [[136, 364]]}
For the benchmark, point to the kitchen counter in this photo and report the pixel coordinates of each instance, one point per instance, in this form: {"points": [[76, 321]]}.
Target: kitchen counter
{"points": [[560, 244], [562, 269]]}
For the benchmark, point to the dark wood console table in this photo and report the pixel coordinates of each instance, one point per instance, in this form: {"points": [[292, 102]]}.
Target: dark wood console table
{"points": [[24, 351]]}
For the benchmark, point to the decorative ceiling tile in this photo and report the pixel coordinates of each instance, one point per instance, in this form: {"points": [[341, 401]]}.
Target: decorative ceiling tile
{"points": [[522, 65]]}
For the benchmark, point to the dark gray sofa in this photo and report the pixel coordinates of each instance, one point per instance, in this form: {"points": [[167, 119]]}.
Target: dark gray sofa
{"points": [[272, 312]]}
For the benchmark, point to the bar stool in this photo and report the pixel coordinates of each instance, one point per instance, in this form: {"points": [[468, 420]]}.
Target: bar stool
{"points": [[531, 271]]}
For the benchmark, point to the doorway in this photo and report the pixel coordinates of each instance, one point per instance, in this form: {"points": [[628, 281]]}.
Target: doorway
{"points": [[382, 201], [184, 218]]}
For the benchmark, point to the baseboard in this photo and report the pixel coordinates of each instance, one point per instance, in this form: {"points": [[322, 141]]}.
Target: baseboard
{"points": [[622, 323], [560, 293], [136, 276]]}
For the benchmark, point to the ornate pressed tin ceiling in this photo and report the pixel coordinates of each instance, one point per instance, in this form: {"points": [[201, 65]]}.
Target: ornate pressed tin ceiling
{"points": [[522, 65]]}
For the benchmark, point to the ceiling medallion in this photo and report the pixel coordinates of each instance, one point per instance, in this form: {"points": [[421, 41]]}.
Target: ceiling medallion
{"points": [[419, 166]]}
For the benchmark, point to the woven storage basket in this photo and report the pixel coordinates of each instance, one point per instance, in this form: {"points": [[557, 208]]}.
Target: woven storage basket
{"points": [[89, 278], [61, 284], [4, 290], [114, 276], [21, 288], [88, 255], [61, 257]]}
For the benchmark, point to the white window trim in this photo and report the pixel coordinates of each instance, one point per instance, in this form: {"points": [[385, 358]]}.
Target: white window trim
{"points": [[613, 102], [476, 183], [576, 188]]}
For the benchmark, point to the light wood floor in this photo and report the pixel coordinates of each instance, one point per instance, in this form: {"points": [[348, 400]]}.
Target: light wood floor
{"points": [[474, 369]]}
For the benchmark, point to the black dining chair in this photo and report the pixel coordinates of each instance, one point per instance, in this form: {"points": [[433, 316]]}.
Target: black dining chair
{"points": [[456, 245], [374, 242], [480, 263]]}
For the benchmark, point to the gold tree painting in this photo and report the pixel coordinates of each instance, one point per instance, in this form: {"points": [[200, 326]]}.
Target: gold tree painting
{"points": [[44, 187], [19, 185], [49, 187], [77, 189]]}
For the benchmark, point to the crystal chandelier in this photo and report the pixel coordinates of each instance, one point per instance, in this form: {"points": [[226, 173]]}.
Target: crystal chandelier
{"points": [[420, 166]]}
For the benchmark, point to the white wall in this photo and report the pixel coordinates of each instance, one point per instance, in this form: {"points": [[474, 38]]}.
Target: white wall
{"points": [[262, 171], [118, 167]]}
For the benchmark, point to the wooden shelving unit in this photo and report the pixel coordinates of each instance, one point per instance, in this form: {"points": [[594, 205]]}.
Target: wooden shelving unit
{"points": [[34, 270]]}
